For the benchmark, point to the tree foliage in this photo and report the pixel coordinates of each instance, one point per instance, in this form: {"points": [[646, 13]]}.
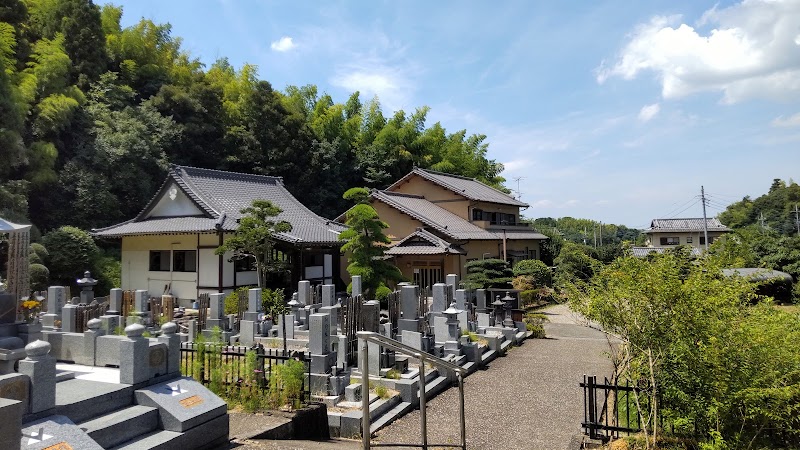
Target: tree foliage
{"points": [[708, 357], [366, 243], [255, 238], [72, 251], [486, 273]]}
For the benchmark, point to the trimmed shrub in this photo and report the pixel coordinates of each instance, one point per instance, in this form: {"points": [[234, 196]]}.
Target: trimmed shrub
{"points": [[72, 252], [382, 295], [39, 277], [537, 270]]}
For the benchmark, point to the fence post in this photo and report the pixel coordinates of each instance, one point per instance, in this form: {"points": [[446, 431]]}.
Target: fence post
{"points": [[592, 411]]}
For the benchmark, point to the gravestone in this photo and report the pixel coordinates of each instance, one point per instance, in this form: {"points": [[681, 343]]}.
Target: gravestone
{"points": [[439, 297], [452, 281], [286, 325], [371, 315], [304, 292], [461, 299], [440, 330], [483, 320], [319, 344], [409, 302], [140, 300], [56, 298], [114, 302], [254, 306], [412, 339], [356, 286], [328, 295], [216, 311], [69, 317], [480, 298]]}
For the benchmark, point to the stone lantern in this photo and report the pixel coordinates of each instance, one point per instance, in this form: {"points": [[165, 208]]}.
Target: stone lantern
{"points": [[452, 345], [87, 284], [508, 320], [295, 306], [498, 310]]}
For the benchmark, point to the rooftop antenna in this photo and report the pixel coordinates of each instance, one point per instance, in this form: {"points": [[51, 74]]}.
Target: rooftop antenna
{"points": [[519, 194]]}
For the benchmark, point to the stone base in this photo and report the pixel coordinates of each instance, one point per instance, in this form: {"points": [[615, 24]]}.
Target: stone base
{"points": [[56, 432], [49, 322], [11, 418], [407, 325], [323, 363], [182, 403], [109, 323]]}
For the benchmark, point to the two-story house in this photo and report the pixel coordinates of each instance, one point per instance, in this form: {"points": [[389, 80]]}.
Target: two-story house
{"points": [[666, 233], [438, 222]]}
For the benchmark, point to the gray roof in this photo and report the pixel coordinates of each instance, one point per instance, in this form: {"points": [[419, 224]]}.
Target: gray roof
{"points": [[641, 252], [221, 196], [444, 221], [467, 187], [756, 274], [422, 242], [685, 225]]}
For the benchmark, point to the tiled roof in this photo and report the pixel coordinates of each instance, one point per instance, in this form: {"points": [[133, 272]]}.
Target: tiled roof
{"points": [[444, 221], [756, 274], [685, 225], [221, 196], [641, 252], [422, 242], [467, 187]]}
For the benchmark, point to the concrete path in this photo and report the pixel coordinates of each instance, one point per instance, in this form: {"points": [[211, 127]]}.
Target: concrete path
{"points": [[529, 399]]}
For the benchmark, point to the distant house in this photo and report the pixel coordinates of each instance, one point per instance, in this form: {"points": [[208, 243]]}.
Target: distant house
{"points": [[169, 246], [667, 233], [438, 222]]}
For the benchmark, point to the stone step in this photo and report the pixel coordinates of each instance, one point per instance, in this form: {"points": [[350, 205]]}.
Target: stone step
{"points": [[489, 356], [64, 375], [436, 386], [390, 416], [210, 435], [81, 400], [121, 425]]}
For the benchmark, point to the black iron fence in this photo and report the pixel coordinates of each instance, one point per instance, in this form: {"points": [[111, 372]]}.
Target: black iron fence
{"points": [[230, 365], [609, 409]]}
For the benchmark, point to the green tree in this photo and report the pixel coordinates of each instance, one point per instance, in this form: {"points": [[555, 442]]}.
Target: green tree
{"points": [[486, 273], [574, 263], [72, 252], [708, 357], [365, 243], [255, 238], [540, 273]]}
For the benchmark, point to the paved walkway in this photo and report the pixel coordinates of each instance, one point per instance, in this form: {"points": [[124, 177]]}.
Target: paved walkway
{"points": [[528, 400]]}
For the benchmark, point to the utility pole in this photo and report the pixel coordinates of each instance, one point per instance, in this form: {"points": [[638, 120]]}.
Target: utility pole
{"points": [[705, 221], [797, 218], [594, 232], [584, 235], [761, 220], [601, 234]]}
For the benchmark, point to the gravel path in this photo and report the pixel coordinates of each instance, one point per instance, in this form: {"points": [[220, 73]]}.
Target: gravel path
{"points": [[529, 399]]}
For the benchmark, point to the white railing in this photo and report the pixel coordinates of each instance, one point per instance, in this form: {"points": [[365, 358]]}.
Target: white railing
{"points": [[368, 336]]}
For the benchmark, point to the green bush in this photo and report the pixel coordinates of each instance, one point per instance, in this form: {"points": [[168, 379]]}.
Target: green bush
{"points": [[108, 274], [40, 251], [72, 252], [39, 277], [382, 295], [273, 303], [232, 299], [33, 258], [393, 374], [537, 270], [381, 391], [485, 273], [534, 322]]}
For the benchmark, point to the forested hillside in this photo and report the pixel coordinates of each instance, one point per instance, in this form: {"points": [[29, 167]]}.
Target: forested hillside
{"points": [[774, 210], [92, 114]]}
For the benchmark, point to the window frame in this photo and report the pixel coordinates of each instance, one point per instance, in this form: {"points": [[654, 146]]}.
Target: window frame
{"points": [[176, 267], [160, 261]]}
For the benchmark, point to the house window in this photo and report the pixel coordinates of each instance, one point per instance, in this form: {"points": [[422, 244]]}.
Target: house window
{"points": [[477, 214], [670, 241], [689, 239], [244, 263], [703, 240], [159, 260], [532, 254], [184, 260]]}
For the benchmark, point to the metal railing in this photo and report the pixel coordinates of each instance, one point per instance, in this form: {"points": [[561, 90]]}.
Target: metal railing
{"points": [[369, 336]]}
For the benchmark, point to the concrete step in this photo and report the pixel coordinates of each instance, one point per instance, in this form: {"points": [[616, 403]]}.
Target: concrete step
{"points": [[489, 356], [436, 386], [64, 375], [81, 400], [390, 416], [210, 435], [155, 440], [122, 425]]}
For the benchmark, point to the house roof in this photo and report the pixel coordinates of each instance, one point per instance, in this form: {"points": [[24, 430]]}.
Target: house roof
{"points": [[219, 197], [641, 252], [422, 242], [444, 221], [756, 274], [685, 225], [467, 187]]}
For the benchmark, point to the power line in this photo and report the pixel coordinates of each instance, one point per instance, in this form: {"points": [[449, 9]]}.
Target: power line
{"points": [[685, 205]]}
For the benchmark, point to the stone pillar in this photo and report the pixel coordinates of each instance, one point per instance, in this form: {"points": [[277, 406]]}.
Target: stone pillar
{"points": [[56, 298], [328, 295], [69, 318], [140, 298], [90, 342], [216, 311], [134, 356], [11, 415], [371, 315], [114, 302], [356, 286], [41, 368], [192, 332], [452, 280], [254, 304], [304, 292], [480, 297], [461, 303], [409, 307], [173, 342], [439, 297]]}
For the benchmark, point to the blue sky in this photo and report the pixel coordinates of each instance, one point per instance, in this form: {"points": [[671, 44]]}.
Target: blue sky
{"points": [[616, 111]]}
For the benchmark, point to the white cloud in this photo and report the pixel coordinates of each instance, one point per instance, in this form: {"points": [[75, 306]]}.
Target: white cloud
{"points": [[283, 44], [516, 165], [542, 204], [371, 77], [648, 112], [791, 121], [752, 51]]}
